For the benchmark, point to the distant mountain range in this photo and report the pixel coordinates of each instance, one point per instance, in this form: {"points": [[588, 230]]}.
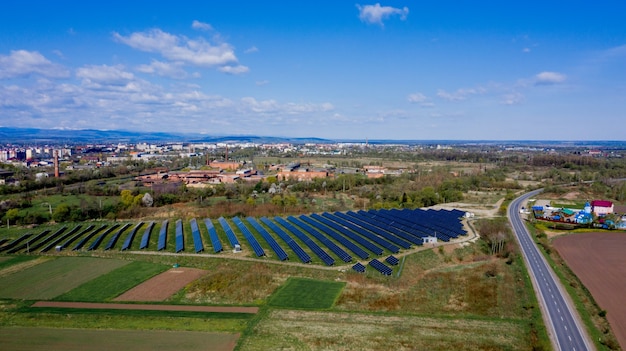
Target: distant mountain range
{"points": [[10, 135], [58, 136]]}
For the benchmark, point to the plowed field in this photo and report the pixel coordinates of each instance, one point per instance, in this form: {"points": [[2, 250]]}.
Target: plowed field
{"points": [[598, 260], [162, 286]]}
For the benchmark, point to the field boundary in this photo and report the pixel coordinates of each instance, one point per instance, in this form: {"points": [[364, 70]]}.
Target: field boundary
{"points": [[151, 307]]}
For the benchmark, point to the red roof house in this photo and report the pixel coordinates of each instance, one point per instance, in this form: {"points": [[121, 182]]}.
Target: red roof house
{"points": [[601, 207]]}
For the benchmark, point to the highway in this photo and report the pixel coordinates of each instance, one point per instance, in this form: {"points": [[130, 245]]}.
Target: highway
{"points": [[561, 319]]}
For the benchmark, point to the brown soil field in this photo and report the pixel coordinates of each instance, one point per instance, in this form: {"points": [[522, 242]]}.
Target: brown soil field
{"points": [[598, 260], [162, 286], [123, 306]]}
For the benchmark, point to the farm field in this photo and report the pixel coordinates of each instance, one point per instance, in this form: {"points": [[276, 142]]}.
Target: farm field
{"points": [[311, 330], [162, 286], [35, 339], [598, 260], [114, 283], [55, 277], [307, 293]]}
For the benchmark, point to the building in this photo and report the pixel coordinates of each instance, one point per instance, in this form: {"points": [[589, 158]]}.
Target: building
{"points": [[602, 207]]}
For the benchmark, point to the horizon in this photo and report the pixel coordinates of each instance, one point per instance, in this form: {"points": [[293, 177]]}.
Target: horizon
{"points": [[392, 70]]}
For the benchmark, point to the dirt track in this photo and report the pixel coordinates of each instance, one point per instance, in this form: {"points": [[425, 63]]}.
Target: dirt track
{"points": [[598, 260], [123, 306]]}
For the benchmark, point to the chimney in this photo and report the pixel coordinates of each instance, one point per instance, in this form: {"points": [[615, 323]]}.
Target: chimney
{"points": [[56, 164], [226, 153]]}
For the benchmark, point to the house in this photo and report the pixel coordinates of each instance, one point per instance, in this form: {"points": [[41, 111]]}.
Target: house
{"points": [[601, 207]]}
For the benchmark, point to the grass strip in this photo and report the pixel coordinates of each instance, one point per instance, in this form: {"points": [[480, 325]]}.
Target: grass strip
{"points": [[307, 294]]}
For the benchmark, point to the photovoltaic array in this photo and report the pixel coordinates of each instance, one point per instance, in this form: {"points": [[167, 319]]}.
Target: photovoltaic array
{"points": [[323, 238]]}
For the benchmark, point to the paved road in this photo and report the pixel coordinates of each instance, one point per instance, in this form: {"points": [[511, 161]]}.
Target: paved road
{"points": [[562, 321]]}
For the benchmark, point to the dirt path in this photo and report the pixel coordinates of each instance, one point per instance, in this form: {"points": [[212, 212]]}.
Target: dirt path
{"points": [[123, 306], [162, 286]]}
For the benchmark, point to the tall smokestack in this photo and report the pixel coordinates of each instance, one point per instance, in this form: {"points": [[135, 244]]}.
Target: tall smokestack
{"points": [[226, 153], [56, 164]]}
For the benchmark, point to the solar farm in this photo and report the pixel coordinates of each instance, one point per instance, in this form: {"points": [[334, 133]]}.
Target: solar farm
{"points": [[326, 239], [319, 281]]}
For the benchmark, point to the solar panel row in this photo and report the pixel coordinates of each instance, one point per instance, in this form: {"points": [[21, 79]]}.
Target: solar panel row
{"points": [[392, 260], [343, 255], [350, 234], [163, 236], [215, 241], [145, 238], [358, 267], [130, 237], [60, 239], [15, 242], [115, 237], [376, 230], [27, 244], [48, 239], [302, 255], [84, 240], [340, 238], [280, 253], [381, 267], [385, 226], [329, 261], [229, 232], [258, 250], [367, 234], [180, 242], [195, 233], [94, 245]]}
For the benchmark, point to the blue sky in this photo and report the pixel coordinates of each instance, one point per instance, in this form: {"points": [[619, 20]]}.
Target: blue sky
{"points": [[468, 70]]}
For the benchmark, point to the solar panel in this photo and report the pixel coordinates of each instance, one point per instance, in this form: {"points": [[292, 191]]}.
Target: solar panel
{"points": [[302, 255], [115, 237], [215, 240], [350, 234], [130, 237], [15, 242], [145, 238], [381, 267], [256, 247], [30, 240], [280, 253], [229, 232], [84, 240], [358, 267], [180, 240], [61, 238], [323, 239], [335, 235], [376, 230], [195, 233], [369, 235], [162, 242], [329, 261], [94, 245], [392, 260]]}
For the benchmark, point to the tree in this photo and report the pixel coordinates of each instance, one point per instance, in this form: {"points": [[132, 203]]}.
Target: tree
{"points": [[61, 213]]}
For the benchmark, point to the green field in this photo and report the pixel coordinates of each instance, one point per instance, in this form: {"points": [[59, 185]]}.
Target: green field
{"points": [[8, 261], [36, 339], [114, 283], [323, 330], [55, 277], [307, 293]]}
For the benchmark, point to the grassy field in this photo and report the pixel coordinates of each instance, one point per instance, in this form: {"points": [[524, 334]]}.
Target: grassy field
{"points": [[55, 277], [307, 293], [35, 339], [318, 330], [112, 284]]}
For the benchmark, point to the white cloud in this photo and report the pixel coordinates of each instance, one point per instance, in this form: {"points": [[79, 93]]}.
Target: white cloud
{"points": [[251, 50], [460, 94], [526, 50], [165, 69], [291, 108], [23, 63], [375, 14], [549, 78], [262, 82], [197, 52], [513, 98], [421, 99], [104, 74], [201, 25], [239, 69]]}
